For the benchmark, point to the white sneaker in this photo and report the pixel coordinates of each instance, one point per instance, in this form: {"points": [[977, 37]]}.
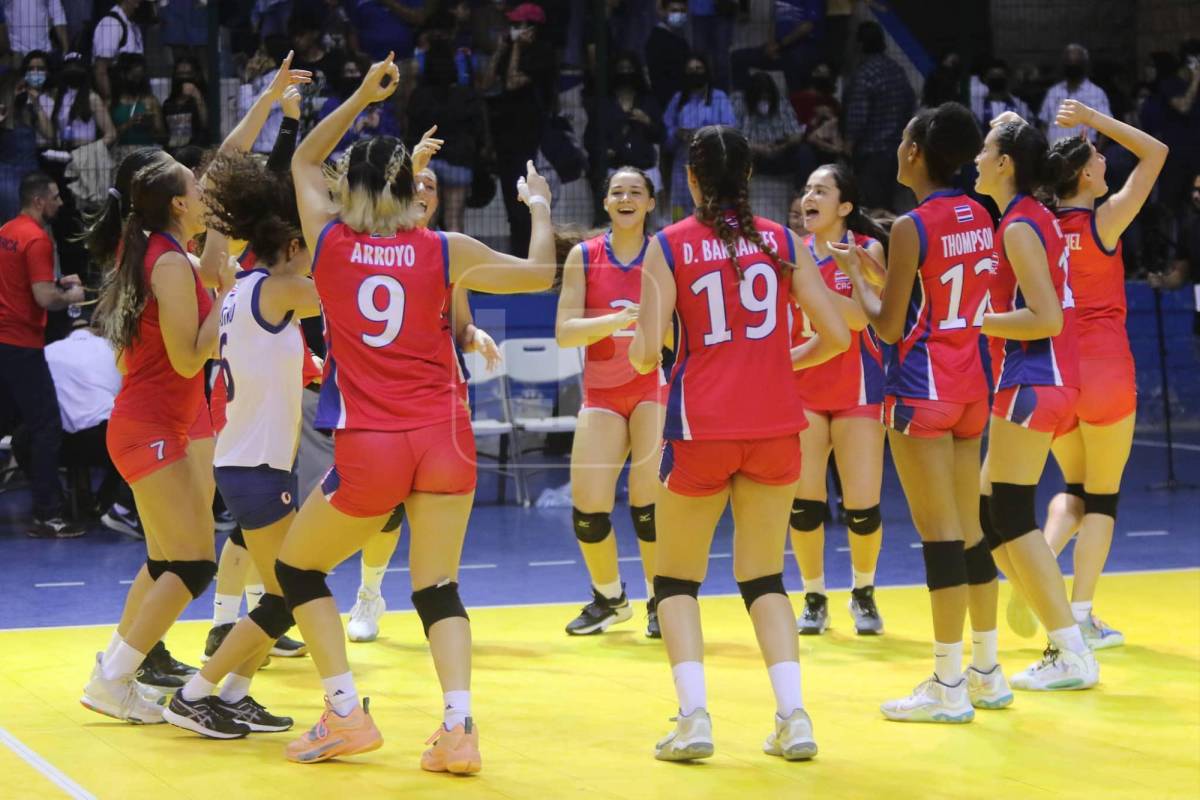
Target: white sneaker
{"points": [[793, 737], [123, 699], [364, 617], [1020, 616], [988, 689], [691, 739], [932, 701], [1098, 635], [1059, 670]]}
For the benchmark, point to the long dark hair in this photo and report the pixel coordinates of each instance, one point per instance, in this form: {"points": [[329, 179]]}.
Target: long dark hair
{"points": [[1027, 147], [102, 233], [124, 291], [122, 84], [720, 160], [247, 201], [74, 75], [857, 220], [762, 87], [1063, 167]]}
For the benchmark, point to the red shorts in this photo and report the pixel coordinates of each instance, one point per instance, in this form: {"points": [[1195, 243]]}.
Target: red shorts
{"points": [[929, 419], [621, 403], [1049, 409], [375, 471], [705, 467], [868, 411], [202, 428], [140, 448], [1107, 390]]}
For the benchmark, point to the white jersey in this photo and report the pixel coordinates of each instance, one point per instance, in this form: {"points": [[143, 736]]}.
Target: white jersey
{"points": [[261, 365]]}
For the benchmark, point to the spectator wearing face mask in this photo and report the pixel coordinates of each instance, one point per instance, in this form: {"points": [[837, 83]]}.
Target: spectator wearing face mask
{"points": [[185, 110], [770, 124], [630, 124], [696, 105], [78, 114], [135, 110], [377, 119], [999, 97], [667, 51], [1074, 86]]}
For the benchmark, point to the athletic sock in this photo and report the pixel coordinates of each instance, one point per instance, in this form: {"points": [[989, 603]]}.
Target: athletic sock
{"points": [[112, 647], [983, 649], [947, 662], [196, 688], [1070, 639], [785, 683], [689, 686], [610, 591], [864, 579], [340, 692], [123, 662], [235, 687], [457, 708], [650, 589], [372, 577], [254, 593], [814, 585], [225, 608], [1082, 612]]}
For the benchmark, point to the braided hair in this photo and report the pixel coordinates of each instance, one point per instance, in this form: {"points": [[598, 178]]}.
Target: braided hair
{"points": [[719, 159], [372, 184]]}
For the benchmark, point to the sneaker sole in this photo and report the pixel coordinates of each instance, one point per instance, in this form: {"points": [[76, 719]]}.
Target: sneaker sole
{"points": [[1073, 684], [1105, 644], [803, 751], [258, 727], [322, 754], [299, 652], [869, 631], [602, 626], [92, 705], [370, 638], [189, 724], [811, 631], [114, 524], [993, 705], [938, 717], [691, 752]]}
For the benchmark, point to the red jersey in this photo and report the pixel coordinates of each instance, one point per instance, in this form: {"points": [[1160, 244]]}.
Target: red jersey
{"points": [[854, 378], [152, 390], [937, 357], [26, 258], [390, 363], [612, 286], [732, 377], [1098, 284], [1040, 362]]}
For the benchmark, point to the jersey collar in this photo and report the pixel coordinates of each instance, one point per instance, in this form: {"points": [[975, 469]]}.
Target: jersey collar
{"points": [[941, 193], [612, 256], [1018, 197], [246, 272]]}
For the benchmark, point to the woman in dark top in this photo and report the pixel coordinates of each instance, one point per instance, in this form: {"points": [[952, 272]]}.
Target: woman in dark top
{"points": [[185, 110], [135, 111], [630, 124], [462, 122]]}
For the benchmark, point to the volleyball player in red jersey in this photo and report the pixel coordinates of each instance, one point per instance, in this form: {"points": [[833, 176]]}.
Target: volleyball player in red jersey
{"points": [[622, 413], [402, 433], [842, 399], [1035, 362], [936, 403], [733, 419], [1092, 456]]}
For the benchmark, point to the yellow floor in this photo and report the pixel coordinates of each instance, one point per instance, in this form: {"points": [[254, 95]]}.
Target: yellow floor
{"points": [[567, 717]]}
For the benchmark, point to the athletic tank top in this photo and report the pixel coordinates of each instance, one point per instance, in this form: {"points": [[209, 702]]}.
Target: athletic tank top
{"points": [[1098, 284]]}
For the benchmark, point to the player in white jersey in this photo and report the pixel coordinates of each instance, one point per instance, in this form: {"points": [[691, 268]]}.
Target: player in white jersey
{"points": [[261, 358]]}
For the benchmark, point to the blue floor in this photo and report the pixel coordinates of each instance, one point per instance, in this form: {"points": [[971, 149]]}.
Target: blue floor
{"points": [[516, 556]]}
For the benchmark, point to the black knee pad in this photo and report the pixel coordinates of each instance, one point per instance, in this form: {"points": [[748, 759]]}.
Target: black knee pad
{"points": [[272, 615], [945, 564], [981, 568], [237, 538], [1105, 504], [985, 522], [436, 603], [394, 521], [665, 586], [643, 522], [300, 586], [756, 587], [1012, 508], [864, 521], [808, 515], [156, 568], [591, 528], [1076, 490], [196, 575]]}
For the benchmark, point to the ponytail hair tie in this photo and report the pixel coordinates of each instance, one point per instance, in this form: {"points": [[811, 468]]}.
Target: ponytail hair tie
{"points": [[114, 194]]}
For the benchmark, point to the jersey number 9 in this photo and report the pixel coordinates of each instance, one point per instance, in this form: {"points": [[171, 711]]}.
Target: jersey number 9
{"points": [[390, 313]]}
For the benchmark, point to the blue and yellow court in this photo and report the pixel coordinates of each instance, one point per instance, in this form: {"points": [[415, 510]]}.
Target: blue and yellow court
{"points": [[562, 717]]}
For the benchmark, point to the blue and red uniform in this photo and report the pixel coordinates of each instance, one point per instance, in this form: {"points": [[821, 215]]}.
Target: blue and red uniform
{"points": [[1037, 382], [850, 384], [936, 382], [1107, 378], [390, 385], [610, 383], [732, 407], [158, 411]]}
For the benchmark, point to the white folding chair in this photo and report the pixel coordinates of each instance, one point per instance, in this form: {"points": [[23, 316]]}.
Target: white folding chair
{"points": [[491, 418]]}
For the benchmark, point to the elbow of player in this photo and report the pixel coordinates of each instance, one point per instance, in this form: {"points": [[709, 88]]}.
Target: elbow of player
{"points": [[1052, 322], [888, 334], [838, 338]]}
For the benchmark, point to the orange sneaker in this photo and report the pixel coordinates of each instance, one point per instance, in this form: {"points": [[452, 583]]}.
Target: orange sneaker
{"points": [[335, 736], [455, 750]]}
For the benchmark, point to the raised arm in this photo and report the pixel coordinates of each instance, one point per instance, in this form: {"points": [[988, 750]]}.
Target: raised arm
{"points": [[474, 265], [1042, 315], [884, 311], [572, 327], [654, 312], [809, 290], [188, 343], [1115, 214], [244, 134]]}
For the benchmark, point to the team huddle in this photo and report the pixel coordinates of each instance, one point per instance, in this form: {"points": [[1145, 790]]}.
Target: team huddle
{"points": [[828, 334]]}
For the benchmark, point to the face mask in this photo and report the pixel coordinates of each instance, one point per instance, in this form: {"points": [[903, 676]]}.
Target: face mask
{"points": [[763, 108], [695, 80], [677, 19], [35, 78], [514, 33], [1073, 72], [997, 84], [823, 84], [74, 79]]}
